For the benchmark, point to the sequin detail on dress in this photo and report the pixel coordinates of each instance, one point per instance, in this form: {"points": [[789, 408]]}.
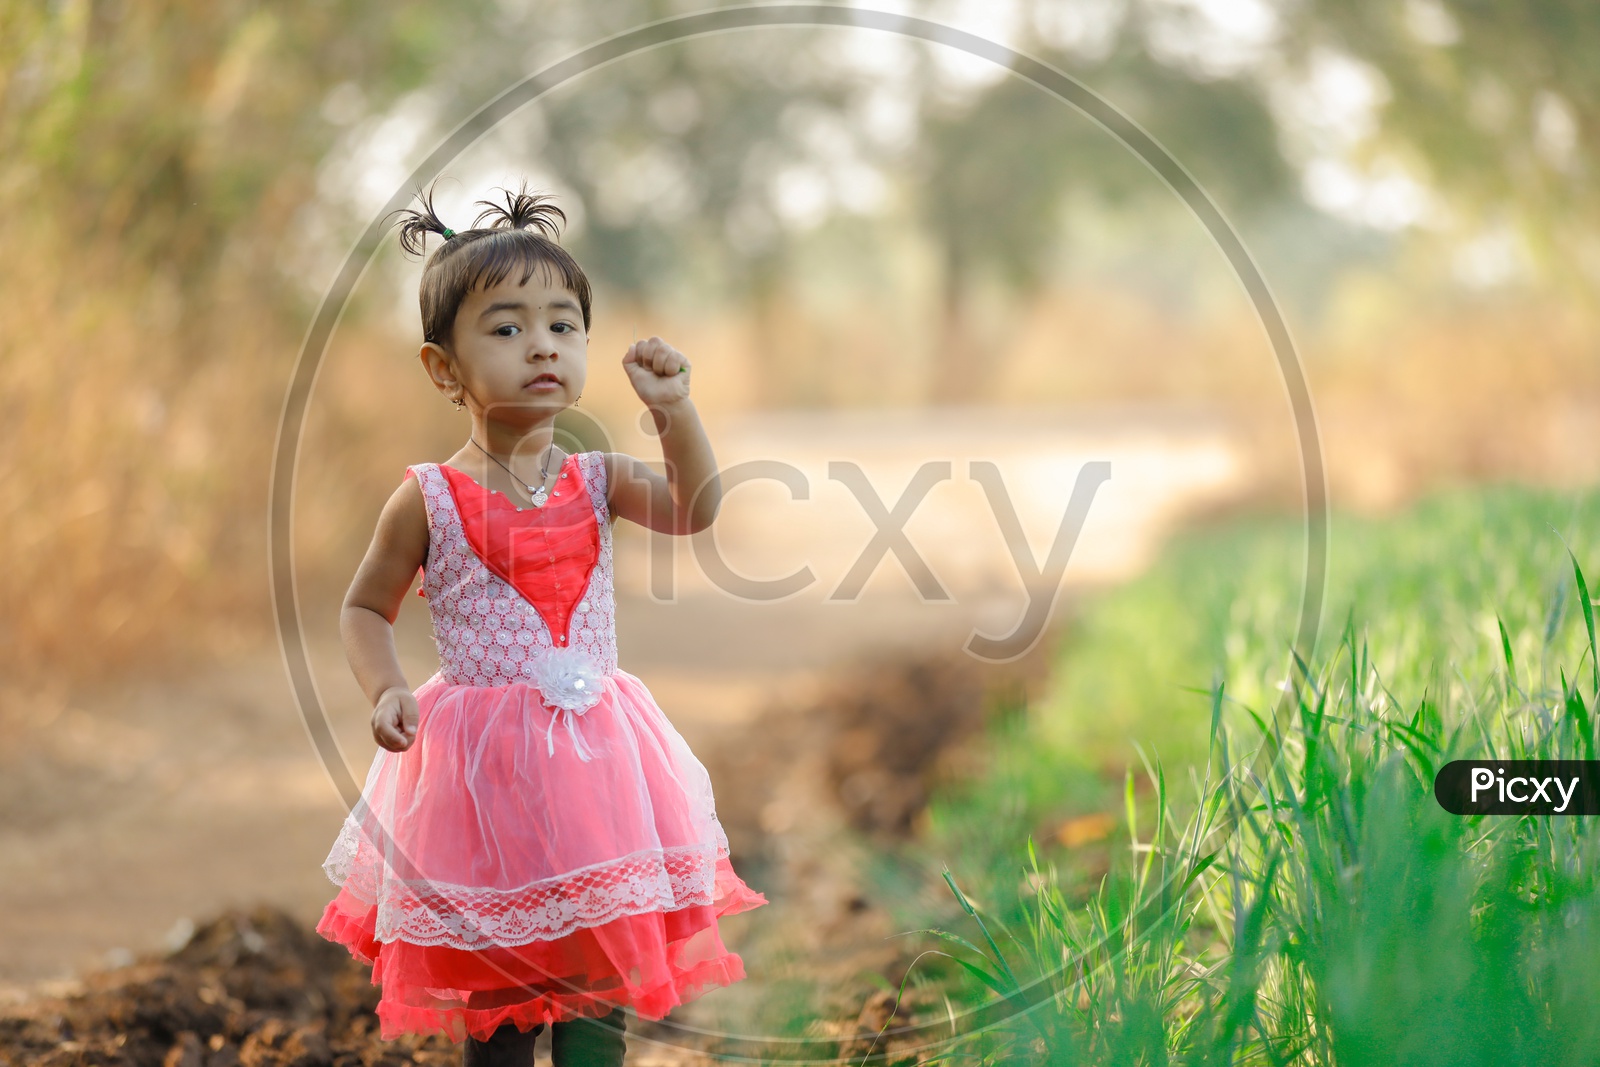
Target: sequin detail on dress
{"points": [[545, 554], [467, 600]]}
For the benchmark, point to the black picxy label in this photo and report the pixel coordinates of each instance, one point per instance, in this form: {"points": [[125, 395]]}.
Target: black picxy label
{"points": [[1519, 787]]}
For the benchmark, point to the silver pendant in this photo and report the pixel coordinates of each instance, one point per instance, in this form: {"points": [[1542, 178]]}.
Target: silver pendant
{"points": [[538, 496]]}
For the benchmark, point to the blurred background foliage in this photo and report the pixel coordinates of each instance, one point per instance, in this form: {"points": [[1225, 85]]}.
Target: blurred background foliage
{"points": [[178, 182], [1496, 106]]}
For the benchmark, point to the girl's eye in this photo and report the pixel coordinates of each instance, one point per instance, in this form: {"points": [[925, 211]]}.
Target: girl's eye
{"points": [[568, 325], [507, 326]]}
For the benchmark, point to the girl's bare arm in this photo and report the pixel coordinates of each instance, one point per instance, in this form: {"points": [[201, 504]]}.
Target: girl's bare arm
{"points": [[688, 498], [366, 621]]}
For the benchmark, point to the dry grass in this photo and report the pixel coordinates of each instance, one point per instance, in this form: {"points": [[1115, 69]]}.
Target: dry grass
{"points": [[134, 483]]}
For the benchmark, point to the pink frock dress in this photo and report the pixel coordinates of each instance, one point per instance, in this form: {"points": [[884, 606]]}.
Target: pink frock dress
{"points": [[548, 847]]}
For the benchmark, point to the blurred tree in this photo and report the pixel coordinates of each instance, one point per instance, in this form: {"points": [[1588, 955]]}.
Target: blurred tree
{"points": [[994, 173], [1498, 104], [675, 153], [184, 134], [153, 156]]}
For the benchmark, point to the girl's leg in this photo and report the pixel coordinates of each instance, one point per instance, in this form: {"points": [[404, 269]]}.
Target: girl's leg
{"points": [[506, 1047], [585, 1042]]}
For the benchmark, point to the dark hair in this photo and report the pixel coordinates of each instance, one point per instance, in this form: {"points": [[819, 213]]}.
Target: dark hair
{"points": [[487, 255]]}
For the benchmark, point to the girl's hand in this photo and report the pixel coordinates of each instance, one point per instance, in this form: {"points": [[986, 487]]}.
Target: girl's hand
{"points": [[659, 372], [394, 719]]}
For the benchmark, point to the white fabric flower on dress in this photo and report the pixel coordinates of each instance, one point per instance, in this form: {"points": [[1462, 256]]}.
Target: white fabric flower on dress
{"points": [[569, 680]]}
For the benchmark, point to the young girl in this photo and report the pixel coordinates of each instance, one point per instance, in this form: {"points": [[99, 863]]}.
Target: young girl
{"points": [[535, 842]]}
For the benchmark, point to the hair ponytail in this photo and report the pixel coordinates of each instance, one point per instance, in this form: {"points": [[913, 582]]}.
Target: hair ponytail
{"points": [[416, 225], [523, 209]]}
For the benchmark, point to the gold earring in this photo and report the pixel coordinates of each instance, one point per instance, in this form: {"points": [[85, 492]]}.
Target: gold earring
{"points": [[459, 403]]}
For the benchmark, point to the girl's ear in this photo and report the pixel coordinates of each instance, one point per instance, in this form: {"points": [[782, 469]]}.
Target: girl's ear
{"points": [[437, 362]]}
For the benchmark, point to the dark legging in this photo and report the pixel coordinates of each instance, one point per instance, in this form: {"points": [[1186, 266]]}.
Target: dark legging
{"points": [[580, 1042]]}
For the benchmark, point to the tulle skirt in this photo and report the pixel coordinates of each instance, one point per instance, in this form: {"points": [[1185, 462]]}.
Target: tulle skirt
{"points": [[491, 873]]}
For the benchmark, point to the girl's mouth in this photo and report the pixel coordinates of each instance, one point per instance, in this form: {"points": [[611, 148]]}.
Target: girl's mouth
{"points": [[544, 381]]}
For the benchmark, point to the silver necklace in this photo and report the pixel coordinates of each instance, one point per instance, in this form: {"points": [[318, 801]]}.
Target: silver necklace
{"points": [[537, 494]]}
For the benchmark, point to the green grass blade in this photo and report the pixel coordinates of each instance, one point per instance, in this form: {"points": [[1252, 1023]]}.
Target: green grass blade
{"points": [[1588, 617], [1511, 662], [999, 957], [1579, 711]]}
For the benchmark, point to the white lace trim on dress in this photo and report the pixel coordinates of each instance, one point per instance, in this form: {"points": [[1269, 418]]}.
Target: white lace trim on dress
{"points": [[436, 913]]}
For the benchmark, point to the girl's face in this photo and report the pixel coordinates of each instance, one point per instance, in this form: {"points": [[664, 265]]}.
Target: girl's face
{"points": [[520, 352]]}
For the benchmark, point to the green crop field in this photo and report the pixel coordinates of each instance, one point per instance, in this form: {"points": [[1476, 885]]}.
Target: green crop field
{"points": [[1214, 904]]}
